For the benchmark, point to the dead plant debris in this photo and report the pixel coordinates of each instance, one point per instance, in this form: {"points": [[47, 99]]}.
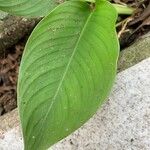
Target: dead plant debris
{"points": [[8, 79], [131, 27]]}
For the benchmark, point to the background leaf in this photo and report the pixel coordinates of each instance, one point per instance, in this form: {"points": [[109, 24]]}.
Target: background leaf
{"points": [[67, 70], [29, 8]]}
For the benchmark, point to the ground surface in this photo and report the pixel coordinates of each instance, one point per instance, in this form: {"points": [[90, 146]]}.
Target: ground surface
{"points": [[123, 123]]}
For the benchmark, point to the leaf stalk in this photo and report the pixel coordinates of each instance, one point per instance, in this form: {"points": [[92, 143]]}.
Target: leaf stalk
{"points": [[123, 10]]}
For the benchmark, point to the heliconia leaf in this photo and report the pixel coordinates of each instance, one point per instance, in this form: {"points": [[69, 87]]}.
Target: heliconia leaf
{"points": [[67, 70], [29, 8]]}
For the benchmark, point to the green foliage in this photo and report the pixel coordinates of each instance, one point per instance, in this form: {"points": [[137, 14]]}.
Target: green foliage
{"points": [[29, 8], [67, 70], [40, 8]]}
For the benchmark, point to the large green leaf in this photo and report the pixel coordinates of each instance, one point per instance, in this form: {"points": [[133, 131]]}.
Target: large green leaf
{"points": [[30, 8], [67, 70]]}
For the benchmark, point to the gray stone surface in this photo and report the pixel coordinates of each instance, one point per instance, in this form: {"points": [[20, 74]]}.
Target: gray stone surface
{"points": [[122, 123]]}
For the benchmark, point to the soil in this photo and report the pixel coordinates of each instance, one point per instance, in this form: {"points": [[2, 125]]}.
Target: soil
{"points": [[129, 28]]}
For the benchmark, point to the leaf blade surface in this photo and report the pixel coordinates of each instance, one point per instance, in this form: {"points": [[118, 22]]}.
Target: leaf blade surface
{"points": [[67, 70], [28, 8]]}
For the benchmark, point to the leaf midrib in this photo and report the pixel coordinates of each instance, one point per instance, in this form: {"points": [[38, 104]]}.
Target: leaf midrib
{"points": [[65, 72]]}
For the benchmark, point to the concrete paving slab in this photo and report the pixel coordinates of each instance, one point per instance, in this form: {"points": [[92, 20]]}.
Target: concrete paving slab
{"points": [[122, 123]]}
